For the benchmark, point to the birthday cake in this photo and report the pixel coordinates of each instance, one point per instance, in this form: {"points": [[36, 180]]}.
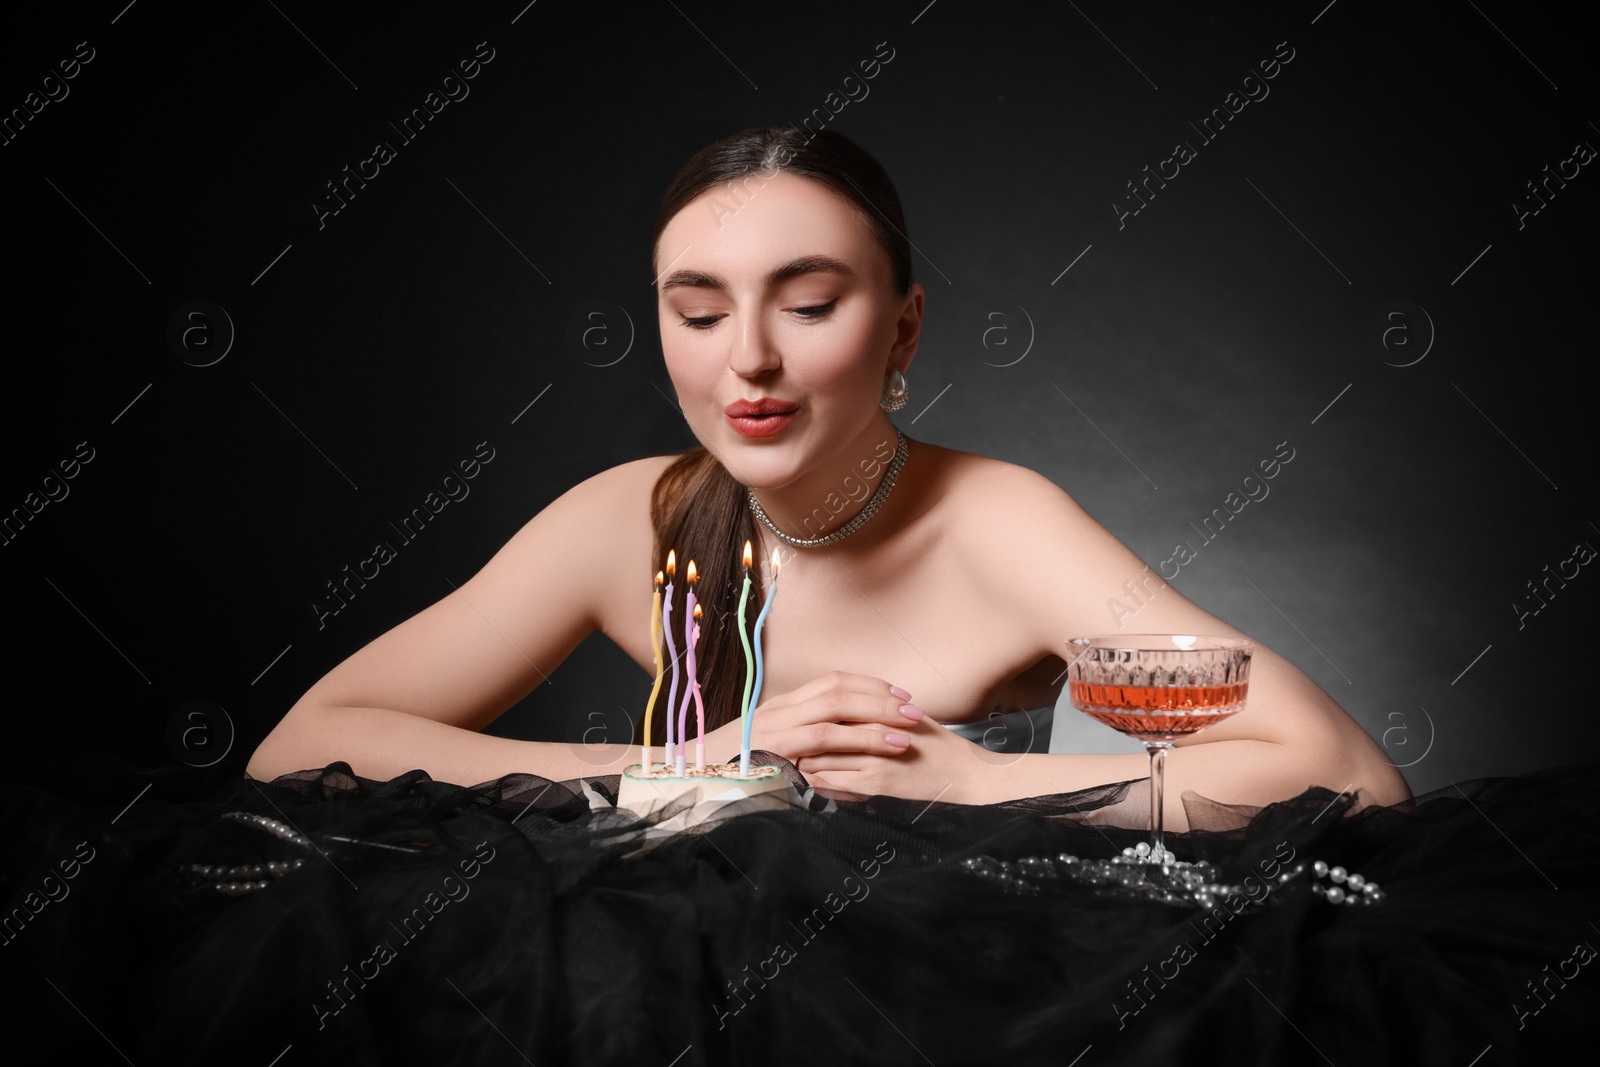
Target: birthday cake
{"points": [[697, 791], [671, 795]]}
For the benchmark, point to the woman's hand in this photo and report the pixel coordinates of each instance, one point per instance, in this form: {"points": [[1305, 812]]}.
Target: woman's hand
{"points": [[938, 764], [836, 714]]}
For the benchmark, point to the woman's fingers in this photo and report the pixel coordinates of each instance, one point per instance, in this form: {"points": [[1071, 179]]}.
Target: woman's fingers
{"points": [[828, 761], [839, 696], [832, 737], [837, 712], [836, 775]]}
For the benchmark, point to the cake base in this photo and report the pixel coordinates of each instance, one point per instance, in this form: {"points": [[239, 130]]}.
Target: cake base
{"points": [[698, 794]]}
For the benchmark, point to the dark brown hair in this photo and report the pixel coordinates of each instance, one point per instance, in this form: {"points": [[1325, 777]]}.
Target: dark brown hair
{"points": [[697, 508]]}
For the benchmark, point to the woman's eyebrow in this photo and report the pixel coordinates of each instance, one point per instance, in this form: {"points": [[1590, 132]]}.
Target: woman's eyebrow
{"points": [[696, 279]]}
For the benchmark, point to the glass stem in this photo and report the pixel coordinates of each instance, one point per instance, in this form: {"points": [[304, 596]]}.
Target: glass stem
{"points": [[1158, 807]]}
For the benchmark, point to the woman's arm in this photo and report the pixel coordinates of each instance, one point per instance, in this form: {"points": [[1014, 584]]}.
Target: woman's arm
{"points": [[940, 765], [1054, 568], [1290, 734], [416, 696]]}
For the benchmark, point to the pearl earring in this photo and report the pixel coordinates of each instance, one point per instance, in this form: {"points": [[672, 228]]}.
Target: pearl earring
{"points": [[895, 391]]}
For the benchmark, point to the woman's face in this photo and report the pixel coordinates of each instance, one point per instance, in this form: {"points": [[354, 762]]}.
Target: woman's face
{"points": [[775, 288]]}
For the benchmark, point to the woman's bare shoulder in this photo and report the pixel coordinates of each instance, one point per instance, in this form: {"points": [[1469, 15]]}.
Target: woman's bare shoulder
{"points": [[618, 494], [995, 512], [601, 529], [606, 516], [985, 488], [633, 472]]}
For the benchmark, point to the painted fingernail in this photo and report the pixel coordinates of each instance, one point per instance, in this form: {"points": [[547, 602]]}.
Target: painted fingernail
{"points": [[912, 712], [901, 693], [898, 740]]}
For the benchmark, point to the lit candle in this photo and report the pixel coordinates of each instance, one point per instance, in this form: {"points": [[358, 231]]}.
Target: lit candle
{"points": [[761, 620], [672, 650], [655, 690], [749, 670], [690, 613], [699, 705]]}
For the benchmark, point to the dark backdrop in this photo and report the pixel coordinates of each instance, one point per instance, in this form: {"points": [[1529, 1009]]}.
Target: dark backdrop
{"points": [[491, 283]]}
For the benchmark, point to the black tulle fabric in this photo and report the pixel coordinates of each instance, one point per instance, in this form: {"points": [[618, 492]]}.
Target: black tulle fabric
{"points": [[841, 931]]}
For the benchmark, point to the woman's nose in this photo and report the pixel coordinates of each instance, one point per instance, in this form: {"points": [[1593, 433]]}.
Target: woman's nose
{"points": [[752, 351]]}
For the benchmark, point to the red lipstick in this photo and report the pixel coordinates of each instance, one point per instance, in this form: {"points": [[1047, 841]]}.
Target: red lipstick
{"points": [[762, 417]]}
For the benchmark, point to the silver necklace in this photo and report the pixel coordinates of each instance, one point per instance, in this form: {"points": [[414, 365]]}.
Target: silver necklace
{"points": [[861, 518]]}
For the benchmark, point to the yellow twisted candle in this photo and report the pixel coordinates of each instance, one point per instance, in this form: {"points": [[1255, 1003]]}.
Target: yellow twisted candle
{"points": [[661, 670]]}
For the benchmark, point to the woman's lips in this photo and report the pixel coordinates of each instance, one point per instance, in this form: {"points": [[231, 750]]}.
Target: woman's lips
{"points": [[762, 417], [761, 425]]}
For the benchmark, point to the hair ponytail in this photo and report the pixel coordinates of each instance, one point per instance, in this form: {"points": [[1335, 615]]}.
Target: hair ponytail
{"points": [[698, 510]]}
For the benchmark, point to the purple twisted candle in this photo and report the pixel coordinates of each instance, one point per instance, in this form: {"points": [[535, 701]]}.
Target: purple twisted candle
{"points": [[699, 705], [689, 626], [672, 650]]}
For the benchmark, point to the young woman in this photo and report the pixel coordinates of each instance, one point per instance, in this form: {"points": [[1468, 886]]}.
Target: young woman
{"points": [[919, 586]]}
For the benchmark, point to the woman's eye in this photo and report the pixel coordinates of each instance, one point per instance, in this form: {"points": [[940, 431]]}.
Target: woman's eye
{"points": [[816, 311], [812, 311]]}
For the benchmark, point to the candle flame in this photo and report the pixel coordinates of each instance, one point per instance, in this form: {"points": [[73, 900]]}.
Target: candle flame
{"points": [[672, 562], [694, 575], [774, 563], [697, 612], [747, 555], [659, 579]]}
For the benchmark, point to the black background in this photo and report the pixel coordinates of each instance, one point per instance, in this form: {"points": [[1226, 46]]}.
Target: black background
{"points": [[372, 354]]}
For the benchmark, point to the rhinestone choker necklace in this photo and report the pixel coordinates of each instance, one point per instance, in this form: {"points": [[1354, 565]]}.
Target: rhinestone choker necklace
{"points": [[862, 517]]}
